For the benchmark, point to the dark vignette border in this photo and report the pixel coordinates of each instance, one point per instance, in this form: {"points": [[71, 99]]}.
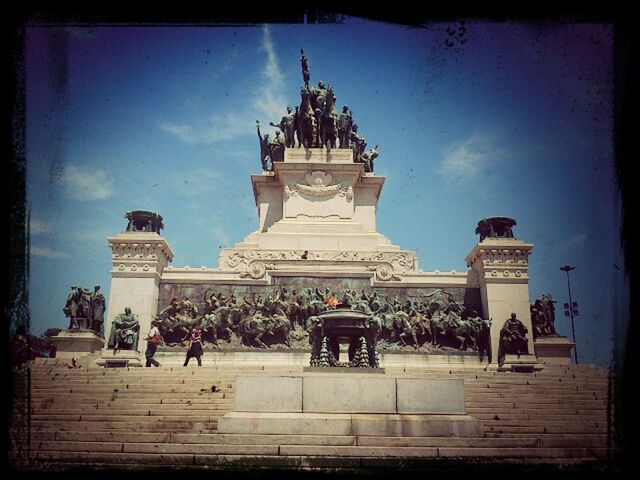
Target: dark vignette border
{"points": [[15, 299]]}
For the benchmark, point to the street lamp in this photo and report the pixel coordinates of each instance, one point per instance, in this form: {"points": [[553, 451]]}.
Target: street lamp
{"points": [[571, 309]]}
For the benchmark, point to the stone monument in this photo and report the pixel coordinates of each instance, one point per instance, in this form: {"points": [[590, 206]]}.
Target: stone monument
{"points": [[316, 245], [139, 256]]}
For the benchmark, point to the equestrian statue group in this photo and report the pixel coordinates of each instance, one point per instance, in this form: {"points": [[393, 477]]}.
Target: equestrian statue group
{"points": [[315, 124]]}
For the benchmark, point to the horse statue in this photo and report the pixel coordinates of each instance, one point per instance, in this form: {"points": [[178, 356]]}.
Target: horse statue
{"points": [[221, 323], [252, 329], [306, 121], [329, 123]]}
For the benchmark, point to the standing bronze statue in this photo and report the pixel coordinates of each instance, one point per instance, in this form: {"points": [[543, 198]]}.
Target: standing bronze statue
{"points": [[306, 76], [358, 144], [85, 309], [287, 125], [368, 158], [265, 148], [71, 307], [345, 123], [97, 310], [277, 149]]}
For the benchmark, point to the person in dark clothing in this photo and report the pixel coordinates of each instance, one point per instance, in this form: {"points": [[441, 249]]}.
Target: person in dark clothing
{"points": [[195, 345]]}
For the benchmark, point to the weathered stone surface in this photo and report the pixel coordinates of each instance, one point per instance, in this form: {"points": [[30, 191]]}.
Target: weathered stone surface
{"points": [[70, 343], [268, 394], [421, 395], [285, 423], [341, 394]]}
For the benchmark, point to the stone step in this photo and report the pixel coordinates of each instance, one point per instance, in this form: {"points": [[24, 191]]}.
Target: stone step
{"points": [[545, 435], [159, 410], [502, 377], [42, 440], [559, 441], [159, 448], [153, 425], [504, 452], [84, 411], [107, 417], [525, 429], [99, 415], [132, 389], [349, 424], [64, 461], [550, 416]]}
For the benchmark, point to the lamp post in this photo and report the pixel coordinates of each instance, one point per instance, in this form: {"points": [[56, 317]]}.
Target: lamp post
{"points": [[571, 309]]}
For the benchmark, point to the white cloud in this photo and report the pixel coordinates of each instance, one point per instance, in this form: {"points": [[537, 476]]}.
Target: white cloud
{"points": [[183, 132], [268, 103], [471, 157], [87, 183], [228, 127], [577, 241], [46, 252], [93, 235], [36, 227]]}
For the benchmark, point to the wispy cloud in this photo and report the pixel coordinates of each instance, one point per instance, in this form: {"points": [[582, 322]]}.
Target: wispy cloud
{"points": [[467, 159], [577, 241], [183, 132], [94, 235], [37, 227], [219, 127], [270, 102], [267, 102], [87, 183], [46, 252]]}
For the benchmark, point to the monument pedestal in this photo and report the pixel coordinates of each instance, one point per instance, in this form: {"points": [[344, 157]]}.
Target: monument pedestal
{"points": [[121, 358], [554, 350], [316, 214], [76, 343], [525, 362], [349, 404]]}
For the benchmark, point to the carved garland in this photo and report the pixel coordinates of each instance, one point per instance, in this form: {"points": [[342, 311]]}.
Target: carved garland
{"points": [[342, 189]]}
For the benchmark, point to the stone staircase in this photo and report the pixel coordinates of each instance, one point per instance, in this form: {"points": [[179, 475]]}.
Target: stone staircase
{"points": [[133, 418]]}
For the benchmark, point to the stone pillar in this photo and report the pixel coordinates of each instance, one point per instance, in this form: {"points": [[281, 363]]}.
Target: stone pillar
{"points": [[137, 259], [501, 266]]}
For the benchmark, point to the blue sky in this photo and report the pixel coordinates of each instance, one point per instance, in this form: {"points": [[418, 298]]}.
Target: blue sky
{"points": [[515, 121]]}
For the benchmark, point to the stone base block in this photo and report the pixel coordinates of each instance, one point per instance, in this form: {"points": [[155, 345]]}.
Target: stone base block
{"points": [[121, 358], [339, 393], [520, 363], [77, 343], [554, 350], [387, 425], [429, 396]]}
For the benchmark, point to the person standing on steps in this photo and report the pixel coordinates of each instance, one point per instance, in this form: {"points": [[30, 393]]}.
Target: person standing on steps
{"points": [[195, 345], [153, 340]]}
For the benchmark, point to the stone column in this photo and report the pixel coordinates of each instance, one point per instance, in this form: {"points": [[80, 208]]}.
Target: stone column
{"points": [[501, 266], [138, 259]]}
